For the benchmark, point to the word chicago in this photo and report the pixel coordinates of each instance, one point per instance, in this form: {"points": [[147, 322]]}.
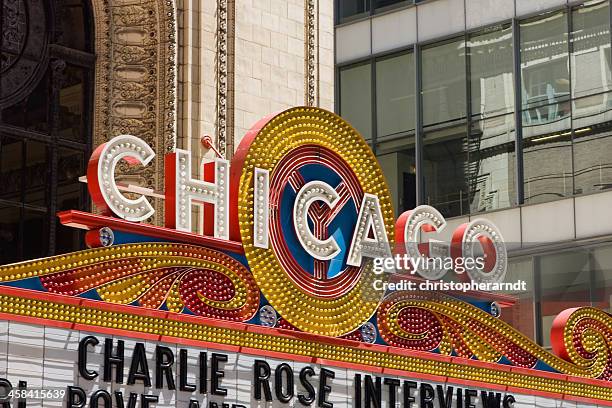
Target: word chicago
{"points": [[369, 239]]}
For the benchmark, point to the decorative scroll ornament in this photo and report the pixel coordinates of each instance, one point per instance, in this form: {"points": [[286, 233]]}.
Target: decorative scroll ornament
{"points": [[584, 337], [434, 322], [181, 277]]}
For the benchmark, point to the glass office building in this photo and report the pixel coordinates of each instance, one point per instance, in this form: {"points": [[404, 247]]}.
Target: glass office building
{"points": [[497, 107]]}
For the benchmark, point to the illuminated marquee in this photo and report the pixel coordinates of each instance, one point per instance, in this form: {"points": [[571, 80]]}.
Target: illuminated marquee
{"points": [[284, 269]]}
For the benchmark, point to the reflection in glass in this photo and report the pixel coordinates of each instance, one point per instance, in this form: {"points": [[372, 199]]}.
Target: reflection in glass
{"points": [[492, 163], [564, 283], [520, 315], [37, 168], [10, 245], [11, 161], [593, 158], [37, 175], [602, 268], [386, 3], [349, 8], [445, 158], [71, 99], [443, 82], [395, 105], [590, 45], [547, 162], [491, 77], [592, 103], [445, 164], [547, 149], [73, 15], [397, 161], [35, 245], [491, 147], [356, 97], [70, 195], [544, 73], [32, 112]]}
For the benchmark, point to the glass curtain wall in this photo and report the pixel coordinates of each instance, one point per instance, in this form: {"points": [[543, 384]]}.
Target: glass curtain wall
{"points": [[351, 9], [45, 128], [557, 281], [545, 110], [467, 100], [591, 98], [356, 98], [395, 123], [491, 147], [445, 151]]}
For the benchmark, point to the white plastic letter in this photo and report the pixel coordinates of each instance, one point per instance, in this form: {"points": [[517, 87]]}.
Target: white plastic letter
{"points": [[261, 195], [370, 219], [314, 191], [101, 177], [425, 218], [182, 191]]}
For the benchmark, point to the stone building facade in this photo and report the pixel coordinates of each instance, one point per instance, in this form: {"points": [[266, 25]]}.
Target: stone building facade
{"points": [[174, 71], [76, 73], [240, 61]]}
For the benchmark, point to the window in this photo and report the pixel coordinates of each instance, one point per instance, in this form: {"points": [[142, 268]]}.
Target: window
{"points": [[395, 104], [591, 97], [545, 114], [45, 122], [395, 123], [350, 8], [443, 83], [602, 271], [469, 116], [445, 154], [565, 282], [398, 163], [521, 315], [491, 147], [347, 10], [557, 281], [356, 97]]}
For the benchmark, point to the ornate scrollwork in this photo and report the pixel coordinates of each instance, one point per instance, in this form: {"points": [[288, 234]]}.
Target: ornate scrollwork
{"points": [[440, 323], [312, 50], [583, 336], [23, 45], [181, 277]]}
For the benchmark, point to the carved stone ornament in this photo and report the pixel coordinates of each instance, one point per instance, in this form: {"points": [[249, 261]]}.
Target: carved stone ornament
{"points": [[135, 85], [312, 52]]}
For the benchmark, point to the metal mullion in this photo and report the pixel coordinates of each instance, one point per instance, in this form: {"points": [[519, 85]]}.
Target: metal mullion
{"points": [[22, 199], [570, 51], [537, 298], [54, 113], [518, 117], [468, 109], [43, 138], [374, 110], [418, 128], [610, 29]]}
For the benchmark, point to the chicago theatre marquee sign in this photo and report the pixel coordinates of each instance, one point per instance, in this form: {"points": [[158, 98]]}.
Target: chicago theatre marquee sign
{"points": [[275, 302]]}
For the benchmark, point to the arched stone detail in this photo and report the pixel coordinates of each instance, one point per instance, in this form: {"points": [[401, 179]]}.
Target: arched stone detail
{"points": [[135, 84]]}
